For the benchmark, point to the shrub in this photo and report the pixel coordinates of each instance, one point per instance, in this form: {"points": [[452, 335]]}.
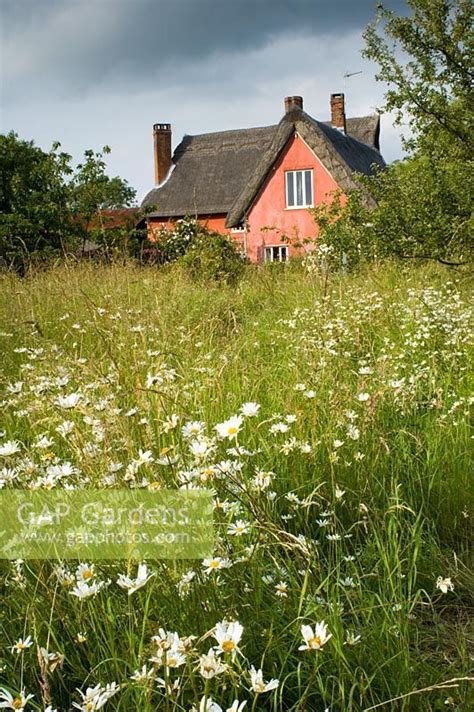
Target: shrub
{"points": [[212, 257]]}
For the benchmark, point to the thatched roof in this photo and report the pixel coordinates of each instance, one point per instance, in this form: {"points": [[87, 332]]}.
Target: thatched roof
{"points": [[210, 171], [364, 128], [223, 172]]}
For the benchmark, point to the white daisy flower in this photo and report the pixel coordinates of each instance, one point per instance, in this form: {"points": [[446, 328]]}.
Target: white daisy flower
{"points": [[258, 684], [193, 429], [68, 402], [82, 590], [238, 528], [250, 410], [10, 447], [281, 589], [21, 645], [230, 428], [210, 665], [7, 701], [228, 635], [215, 564], [444, 584], [133, 585], [314, 640]]}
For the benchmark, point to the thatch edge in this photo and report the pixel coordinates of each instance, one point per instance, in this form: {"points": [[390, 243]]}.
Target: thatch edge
{"points": [[297, 121]]}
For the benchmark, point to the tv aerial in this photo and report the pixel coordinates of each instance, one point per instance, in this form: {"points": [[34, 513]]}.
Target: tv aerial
{"points": [[347, 75]]}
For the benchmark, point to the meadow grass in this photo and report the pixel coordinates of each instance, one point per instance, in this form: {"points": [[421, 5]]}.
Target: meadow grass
{"points": [[351, 481]]}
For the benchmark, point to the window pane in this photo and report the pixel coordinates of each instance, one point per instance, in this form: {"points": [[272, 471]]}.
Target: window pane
{"points": [[290, 192], [284, 254], [268, 254], [308, 191], [299, 187], [275, 256]]}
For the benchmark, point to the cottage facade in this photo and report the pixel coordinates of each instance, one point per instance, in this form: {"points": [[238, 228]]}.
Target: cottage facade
{"points": [[257, 184]]}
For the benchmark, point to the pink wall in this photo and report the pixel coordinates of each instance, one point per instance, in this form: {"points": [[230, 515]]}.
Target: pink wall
{"points": [[269, 209], [213, 222]]}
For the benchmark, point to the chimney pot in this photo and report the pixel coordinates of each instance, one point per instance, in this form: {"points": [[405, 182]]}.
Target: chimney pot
{"points": [[338, 112], [293, 102], [161, 151]]}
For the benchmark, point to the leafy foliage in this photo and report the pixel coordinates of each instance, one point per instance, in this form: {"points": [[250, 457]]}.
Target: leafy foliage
{"points": [[172, 244], [33, 200], [423, 212], [46, 207], [92, 191], [424, 203], [204, 254], [212, 257], [434, 86]]}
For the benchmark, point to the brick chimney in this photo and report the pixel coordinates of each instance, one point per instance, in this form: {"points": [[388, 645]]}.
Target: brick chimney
{"points": [[293, 102], [161, 151], [338, 112]]}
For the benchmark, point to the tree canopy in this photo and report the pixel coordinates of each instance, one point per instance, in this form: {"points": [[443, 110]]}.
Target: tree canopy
{"points": [[46, 206], [424, 202], [426, 58]]}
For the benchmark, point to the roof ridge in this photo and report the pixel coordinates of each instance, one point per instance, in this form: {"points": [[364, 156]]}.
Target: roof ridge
{"points": [[229, 131], [344, 134]]}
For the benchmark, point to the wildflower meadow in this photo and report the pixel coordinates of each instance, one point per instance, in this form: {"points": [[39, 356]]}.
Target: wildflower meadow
{"points": [[329, 418]]}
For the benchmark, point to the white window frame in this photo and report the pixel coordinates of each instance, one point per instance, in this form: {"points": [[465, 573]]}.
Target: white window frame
{"points": [[307, 200], [268, 255]]}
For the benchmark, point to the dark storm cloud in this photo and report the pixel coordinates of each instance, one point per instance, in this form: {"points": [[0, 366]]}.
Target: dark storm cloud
{"points": [[75, 46]]}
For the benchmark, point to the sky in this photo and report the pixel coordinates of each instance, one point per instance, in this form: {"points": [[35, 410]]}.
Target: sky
{"points": [[90, 73]]}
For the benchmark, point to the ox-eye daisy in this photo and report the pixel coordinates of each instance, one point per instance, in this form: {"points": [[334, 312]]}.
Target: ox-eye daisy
{"points": [[215, 564], [238, 528], [21, 645], [250, 410], [11, 447], [210, 665], [228, 635], [314, 640], [444, 584], [229, 428], [258, 684], [7, 701], [134, 584], [70, 401]]}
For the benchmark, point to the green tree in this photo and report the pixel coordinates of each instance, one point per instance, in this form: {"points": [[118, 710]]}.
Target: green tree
{"points": [[47, 209], [426, 58], [91, 192], [424, 203], [33, 201]]}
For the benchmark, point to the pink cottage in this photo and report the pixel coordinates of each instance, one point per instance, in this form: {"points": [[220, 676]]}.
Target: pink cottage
{"points": [[257, 184]]}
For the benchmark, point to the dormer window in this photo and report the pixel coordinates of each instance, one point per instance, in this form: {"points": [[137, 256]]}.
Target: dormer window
{"points": [[299, 189]]}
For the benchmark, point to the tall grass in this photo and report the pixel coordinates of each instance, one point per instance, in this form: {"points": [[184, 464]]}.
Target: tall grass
{"points": [[364, 386]]}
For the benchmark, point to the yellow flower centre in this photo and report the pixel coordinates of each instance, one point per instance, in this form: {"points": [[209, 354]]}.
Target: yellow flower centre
{"points": [[228, 646], [20, 646], [17, 704], [214, 564], [314, 642], [88, 574], [232, 430]]}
